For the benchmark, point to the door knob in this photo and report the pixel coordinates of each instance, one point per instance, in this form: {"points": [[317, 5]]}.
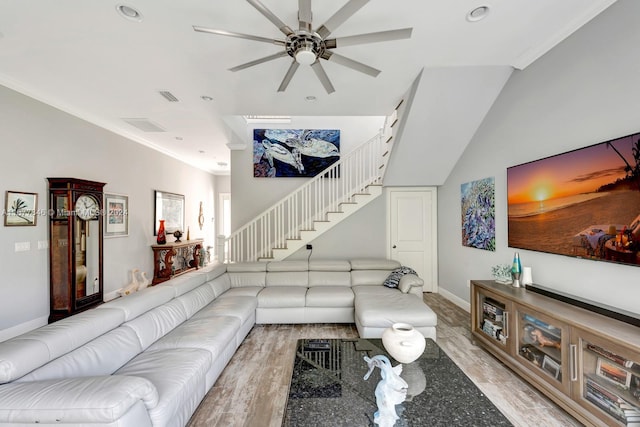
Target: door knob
{"points": [[394, 246]]}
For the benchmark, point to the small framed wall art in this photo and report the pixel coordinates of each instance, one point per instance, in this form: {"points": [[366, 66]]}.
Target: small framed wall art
{"points": [[20, 208], [116, 215]]}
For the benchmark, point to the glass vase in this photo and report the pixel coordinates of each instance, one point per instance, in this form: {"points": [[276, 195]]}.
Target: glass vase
{"points": [[162, 235]]}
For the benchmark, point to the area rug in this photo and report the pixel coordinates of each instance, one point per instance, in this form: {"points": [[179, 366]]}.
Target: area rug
{"points": [[328, 389]]}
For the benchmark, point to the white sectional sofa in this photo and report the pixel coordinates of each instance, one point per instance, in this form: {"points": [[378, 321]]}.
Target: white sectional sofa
{"points": [[149, 358]]}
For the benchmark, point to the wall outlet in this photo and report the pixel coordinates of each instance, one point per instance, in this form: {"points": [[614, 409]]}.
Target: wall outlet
{"points": [[43, 244], [22, 246], [309, 247]]}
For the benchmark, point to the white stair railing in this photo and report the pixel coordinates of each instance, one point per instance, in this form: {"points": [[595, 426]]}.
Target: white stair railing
{"points": [[310, 203]]}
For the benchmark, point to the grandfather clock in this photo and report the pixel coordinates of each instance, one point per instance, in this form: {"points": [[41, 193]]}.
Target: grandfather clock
{"points": [[75, 245]]}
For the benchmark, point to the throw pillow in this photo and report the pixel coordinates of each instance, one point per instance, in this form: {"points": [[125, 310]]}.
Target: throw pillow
{"points": [[394, 278], [408, 281]]}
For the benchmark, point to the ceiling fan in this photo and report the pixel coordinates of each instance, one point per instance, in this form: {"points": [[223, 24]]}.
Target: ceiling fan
{"points": [[307, 46]]}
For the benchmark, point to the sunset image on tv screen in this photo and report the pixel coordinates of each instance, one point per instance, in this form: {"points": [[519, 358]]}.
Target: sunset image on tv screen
{"points": [[583, 203]]}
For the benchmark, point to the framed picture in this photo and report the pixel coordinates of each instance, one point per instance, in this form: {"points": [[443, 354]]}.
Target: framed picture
{"points": [[20, 208], [116, 217], [551, 366], [294, 152], [479, 214], [170, 208]]}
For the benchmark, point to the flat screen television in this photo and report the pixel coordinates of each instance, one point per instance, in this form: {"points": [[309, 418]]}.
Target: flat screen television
{"points": [[583, 203]]}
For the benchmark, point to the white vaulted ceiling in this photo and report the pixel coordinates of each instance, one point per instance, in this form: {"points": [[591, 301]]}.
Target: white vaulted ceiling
{"points": [[85, 58]]}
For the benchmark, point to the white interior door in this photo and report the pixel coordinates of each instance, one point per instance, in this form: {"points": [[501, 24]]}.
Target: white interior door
{"points": [[412, 228]]}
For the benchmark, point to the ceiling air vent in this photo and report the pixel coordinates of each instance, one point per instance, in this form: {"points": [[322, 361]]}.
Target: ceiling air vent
{"points": [[168, 96], [145, 125], [267, 119]]}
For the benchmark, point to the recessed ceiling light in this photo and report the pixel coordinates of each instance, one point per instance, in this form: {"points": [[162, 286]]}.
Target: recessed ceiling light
{"points": [[129, 13], [179, 138], [201, 151], [478, 13], [222, 164], [310, 98], [206, 98]]}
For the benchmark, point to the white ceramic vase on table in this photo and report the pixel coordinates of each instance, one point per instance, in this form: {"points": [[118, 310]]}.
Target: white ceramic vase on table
{"points": [[403, 342]]}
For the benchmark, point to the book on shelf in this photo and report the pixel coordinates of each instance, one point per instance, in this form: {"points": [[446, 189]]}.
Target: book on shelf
{"points": [[610, 401], [628, 364], [492, 311]]}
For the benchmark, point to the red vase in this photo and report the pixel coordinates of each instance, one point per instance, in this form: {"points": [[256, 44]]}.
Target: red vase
{"points": [[162, 236]]}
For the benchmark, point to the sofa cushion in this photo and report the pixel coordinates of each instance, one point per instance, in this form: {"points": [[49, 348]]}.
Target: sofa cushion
{"points": [[329, 265], [288, 266], [220, 285], [368, 277], [196, 299], [381, 311], [244, 267], [240, 307], [140, 302], [95, 358], [211, 334], [374, 264], [245, 291], [78, 401], [156, 323], [329, 296], [288, 278], [282, 297], [329, 278], [23, 354], [410, 281], [184, 283], [179, 377], [393, 279]]}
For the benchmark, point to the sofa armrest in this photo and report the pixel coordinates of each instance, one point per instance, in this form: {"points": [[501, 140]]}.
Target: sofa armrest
{"points": [[411, 284], [82, 400]]}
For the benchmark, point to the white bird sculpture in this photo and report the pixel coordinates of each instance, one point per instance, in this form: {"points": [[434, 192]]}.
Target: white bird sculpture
{"points": [[133, 286], [144, 282]]}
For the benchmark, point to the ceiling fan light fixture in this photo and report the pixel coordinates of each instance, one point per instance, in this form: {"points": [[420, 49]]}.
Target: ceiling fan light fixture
{"points": [[305, 55]]}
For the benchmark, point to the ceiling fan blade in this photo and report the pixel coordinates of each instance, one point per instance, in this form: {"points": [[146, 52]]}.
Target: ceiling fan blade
{"points": [[271, 17], [340, 16], [322, 75], [381, 36], [239, 35], [259, 61], [343, 60], [287, 77], [304, 14]]}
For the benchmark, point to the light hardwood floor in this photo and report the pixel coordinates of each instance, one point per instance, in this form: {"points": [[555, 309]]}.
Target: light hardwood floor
{"points": [[252, 390]]}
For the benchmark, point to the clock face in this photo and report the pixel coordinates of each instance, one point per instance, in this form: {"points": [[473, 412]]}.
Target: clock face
{"points": [[87, 207]]}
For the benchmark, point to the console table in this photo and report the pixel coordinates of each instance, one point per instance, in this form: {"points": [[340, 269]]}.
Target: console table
{"points": [[173, 259]]}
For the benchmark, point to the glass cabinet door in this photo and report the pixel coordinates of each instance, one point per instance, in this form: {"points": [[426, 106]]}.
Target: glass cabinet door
{"points": [[491, 318], [608, 384], [541, 347]]}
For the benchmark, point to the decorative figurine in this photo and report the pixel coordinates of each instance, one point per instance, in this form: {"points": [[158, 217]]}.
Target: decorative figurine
{"points": [[177, 234], [390, 391]]}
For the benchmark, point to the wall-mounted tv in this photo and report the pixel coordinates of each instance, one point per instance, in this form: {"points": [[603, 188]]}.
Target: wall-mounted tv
{"points": [[583, 203]]}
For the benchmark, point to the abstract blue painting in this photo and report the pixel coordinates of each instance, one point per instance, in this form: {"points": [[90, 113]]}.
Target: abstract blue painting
{"points": [[294, 152], [479, 214]]}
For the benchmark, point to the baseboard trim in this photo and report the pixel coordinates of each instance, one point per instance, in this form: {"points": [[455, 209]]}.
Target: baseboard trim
{"points": [[456, 300], [22, 328]]}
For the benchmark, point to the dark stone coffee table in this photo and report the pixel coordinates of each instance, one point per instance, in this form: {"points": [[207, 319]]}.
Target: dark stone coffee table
{"points": [[328, 389]]}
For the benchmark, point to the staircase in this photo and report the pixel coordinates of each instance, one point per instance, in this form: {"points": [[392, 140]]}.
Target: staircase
{"points": [[315, 207]]}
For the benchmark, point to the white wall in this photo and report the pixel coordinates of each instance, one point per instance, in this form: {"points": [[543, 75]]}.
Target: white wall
{"points": [[39, 141], [582, 92]]}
